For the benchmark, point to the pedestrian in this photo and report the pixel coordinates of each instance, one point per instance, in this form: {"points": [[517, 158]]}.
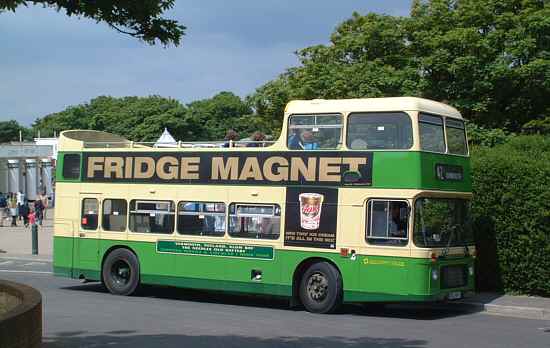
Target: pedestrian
{"points": [[3, 208], [12, 206], [257, 140], [45, 205], [39, 211], [20, 200], [31, 218], [230, 137], [24, 212]]}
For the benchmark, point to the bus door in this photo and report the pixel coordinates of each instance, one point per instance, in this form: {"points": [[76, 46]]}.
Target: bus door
{"points": [[384, 268], [87, 238]]}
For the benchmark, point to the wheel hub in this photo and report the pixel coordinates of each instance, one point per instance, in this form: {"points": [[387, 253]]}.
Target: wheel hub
{"points": [[317, 287]]}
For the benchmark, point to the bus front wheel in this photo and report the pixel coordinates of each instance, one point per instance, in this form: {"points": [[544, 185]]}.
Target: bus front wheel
{"points": [[321, 288], [120, 272]]}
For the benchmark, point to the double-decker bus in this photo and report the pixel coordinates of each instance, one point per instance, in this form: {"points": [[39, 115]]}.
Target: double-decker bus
{"points": [[359, 200]]}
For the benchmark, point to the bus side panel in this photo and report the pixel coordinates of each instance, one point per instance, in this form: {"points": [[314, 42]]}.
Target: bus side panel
{"points": [[64, 231], [292, 259], [154, 267]]}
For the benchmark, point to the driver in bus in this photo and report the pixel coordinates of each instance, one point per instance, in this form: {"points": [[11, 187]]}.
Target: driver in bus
{"points": [[397, 225]]}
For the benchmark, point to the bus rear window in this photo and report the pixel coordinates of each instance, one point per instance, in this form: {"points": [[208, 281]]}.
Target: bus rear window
{"points": [[71, 166], [314, 132], [432, 136], [391, 130]]}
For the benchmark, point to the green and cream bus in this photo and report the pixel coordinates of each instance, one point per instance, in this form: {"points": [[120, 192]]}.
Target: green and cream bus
{"points": [[359, 200]]}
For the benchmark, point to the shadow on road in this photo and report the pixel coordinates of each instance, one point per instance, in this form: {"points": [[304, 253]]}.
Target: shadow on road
{"points": [[112, 339], [403, 311]]}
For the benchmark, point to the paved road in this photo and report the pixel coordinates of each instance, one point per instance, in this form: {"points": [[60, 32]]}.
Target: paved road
{"points": [[84, 315]]}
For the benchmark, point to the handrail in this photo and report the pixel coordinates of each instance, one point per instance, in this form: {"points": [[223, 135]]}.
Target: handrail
{"points": [[176, 144]]}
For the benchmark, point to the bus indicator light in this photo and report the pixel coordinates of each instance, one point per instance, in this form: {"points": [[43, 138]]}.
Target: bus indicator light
{"points": [[344, 252]]}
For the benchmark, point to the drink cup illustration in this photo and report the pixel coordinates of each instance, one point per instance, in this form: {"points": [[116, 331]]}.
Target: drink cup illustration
{"points": [[310, 210]]}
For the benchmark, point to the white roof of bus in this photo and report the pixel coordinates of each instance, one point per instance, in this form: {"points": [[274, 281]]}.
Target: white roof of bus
{"points": [[370, 105]]}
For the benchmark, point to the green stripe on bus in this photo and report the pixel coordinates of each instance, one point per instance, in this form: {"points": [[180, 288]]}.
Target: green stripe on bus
{"points": [[366, 278]]}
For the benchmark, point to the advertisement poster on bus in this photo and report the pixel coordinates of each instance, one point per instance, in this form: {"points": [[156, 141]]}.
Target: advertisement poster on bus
{"points": [[310, 217]]}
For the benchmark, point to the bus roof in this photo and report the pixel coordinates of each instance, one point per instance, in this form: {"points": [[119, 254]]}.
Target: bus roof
{"points": [[371, 105]]}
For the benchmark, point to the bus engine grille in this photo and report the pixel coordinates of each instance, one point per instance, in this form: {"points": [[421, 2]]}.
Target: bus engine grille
{"points": [[453, 276]]}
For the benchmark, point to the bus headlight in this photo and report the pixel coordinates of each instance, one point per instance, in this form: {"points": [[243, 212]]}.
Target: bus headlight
{"points": [[471, 270], [435, 274]]}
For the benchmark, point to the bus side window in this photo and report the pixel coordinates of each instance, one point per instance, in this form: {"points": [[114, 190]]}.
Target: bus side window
{"points": [[90, 210], [254, 221], [201, 218], [387, 222], [114, 215], [152, 216]]}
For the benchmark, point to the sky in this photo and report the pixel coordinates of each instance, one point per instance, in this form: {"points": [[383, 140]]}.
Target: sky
{"points": [[49, 61]]}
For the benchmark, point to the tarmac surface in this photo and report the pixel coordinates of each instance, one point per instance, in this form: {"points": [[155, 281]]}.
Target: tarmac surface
{"points": [[86, 315]]}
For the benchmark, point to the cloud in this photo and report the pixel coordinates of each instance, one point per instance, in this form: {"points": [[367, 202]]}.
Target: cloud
{"points": [[49, 61]]}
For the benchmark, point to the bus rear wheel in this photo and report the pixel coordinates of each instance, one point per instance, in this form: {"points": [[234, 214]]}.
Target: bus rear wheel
{"points": [[321, 288], [120, 272]]}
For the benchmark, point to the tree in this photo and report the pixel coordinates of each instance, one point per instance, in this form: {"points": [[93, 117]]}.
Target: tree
{"points": [[10, 130], [212, 117], [138, 18], [144, 118], [136, 118], [488, 58]]}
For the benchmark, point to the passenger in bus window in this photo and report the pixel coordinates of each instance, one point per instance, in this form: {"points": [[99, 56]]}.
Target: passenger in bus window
{"points": [[309, 141], [294, 140]]}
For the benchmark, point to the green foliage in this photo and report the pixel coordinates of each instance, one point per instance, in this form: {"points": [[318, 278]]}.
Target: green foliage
{"points": [[512, 215], [488, 58], [214, 116], [138, 119], [144, 118], [138, 18], [538, 126], [478, 135], [9, 131]]}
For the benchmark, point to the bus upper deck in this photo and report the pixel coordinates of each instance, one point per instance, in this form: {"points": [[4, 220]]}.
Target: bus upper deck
{"points": [[407, 143]]}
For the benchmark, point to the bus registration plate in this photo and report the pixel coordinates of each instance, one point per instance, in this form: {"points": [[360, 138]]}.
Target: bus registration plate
{"points": [[454, 295]]}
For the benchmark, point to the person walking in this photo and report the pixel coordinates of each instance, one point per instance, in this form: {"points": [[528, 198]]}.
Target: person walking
{"points": [[3, 208], [45, 204], [24, 212], [39, 210], [20, 197], [12, 207], [31, 218]]}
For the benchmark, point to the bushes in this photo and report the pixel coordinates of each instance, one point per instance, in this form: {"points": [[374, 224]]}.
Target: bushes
{"points": [[511, 184]]}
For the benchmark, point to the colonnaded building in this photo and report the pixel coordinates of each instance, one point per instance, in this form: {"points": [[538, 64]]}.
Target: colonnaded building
{"points": [[28, 167]]}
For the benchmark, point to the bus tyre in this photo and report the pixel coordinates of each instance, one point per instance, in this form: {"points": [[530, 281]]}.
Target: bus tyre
{"points": [[120, 272], [321, 288]]}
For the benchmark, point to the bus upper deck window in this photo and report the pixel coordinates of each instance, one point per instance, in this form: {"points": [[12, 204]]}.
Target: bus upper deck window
{"points": [[383, 130], [71, 166], [456, 137], [432, 136], [314, 132]]}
